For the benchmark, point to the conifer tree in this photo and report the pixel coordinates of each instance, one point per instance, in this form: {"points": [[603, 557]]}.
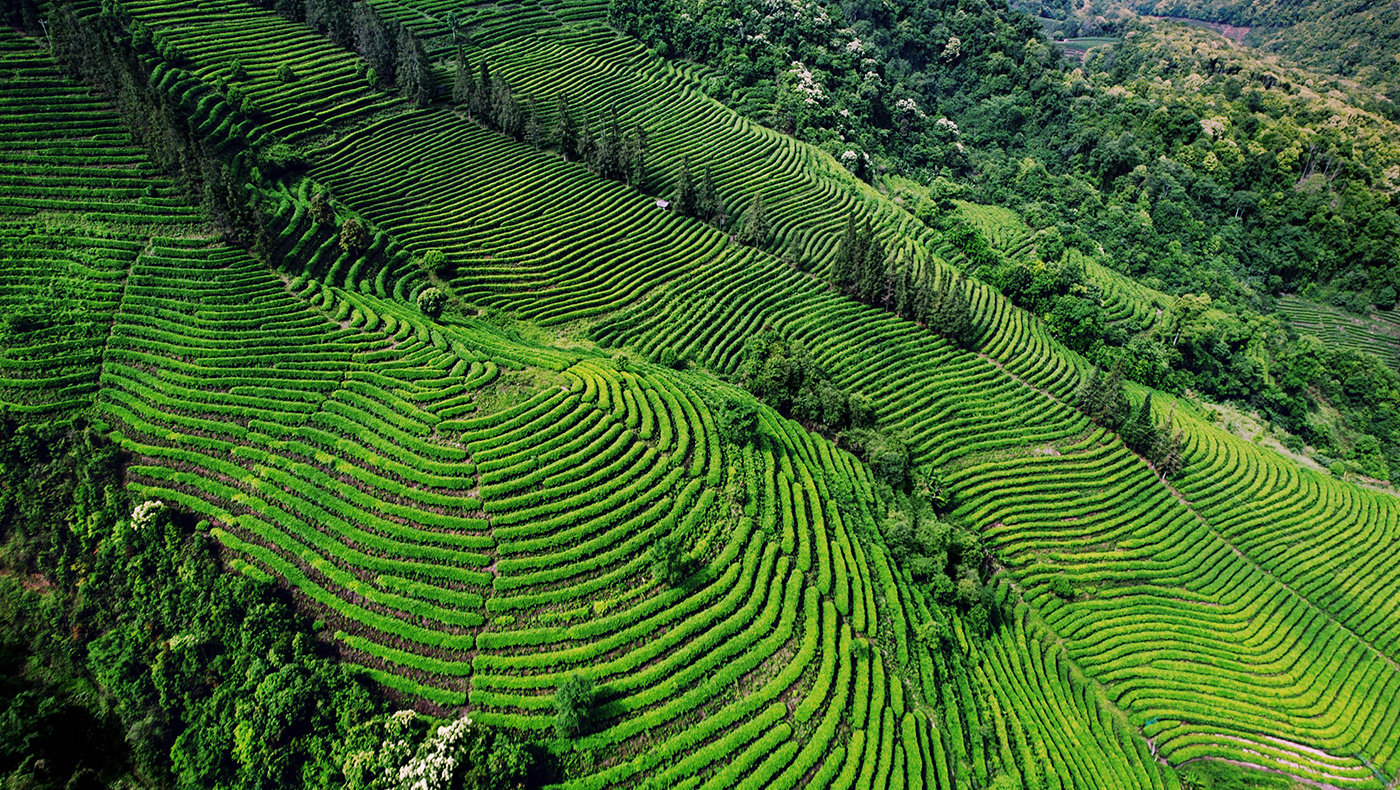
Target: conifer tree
{"points": [[683, 196], [1139, 432], [921, 300], [756, 226], [955, 313], [707, 205], [480, 108], [501, 100], [374, 42], [871, 274], [1086, 398], [1113, 405], [565, 127], [463, 82], [532, 123], [848, 257], [588, 146], [415, 74], [634, 157], [899, 289]]}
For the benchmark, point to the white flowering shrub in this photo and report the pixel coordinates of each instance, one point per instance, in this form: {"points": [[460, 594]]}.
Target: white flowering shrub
{"points": [[435, 765], [146, 513]]}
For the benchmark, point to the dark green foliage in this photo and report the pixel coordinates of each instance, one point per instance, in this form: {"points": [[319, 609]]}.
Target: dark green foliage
{"points": [[756, 225], [738, 420], [952, 315], [785, 376], [285, 73], [321, 207], [1139, 431], [353, 236], [565, 131], [431, 301], [1101, 397], [573, 705], [707, 201], [670, 564], [480, 105], [1060, 586], [634, 156], [888, 455], [413, 72], [209, 678], [531, 133], [463, 82], [683, 196]]}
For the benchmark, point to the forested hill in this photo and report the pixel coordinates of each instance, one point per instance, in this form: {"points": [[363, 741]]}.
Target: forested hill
{"points": [[1352, 38]]}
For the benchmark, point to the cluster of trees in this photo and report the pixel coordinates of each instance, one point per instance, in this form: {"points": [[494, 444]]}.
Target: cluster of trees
{"points": [[948, 559], [866, 272], [783, 374], [605, 147], [393, 54], [1102, 398], [117, 56], [698, 199]]}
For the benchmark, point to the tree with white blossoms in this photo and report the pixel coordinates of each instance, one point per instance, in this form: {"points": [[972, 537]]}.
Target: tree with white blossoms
{"points": [[467, 755], [146, 513]]}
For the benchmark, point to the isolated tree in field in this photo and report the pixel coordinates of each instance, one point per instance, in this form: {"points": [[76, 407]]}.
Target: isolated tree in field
{"points": [[321, 207], [434, 261], [573, 704], [756, 225], [431, 301], [738, 420], [670, 565], [415, 74], [683, 196], [463, 83], [565, 130], [285, 73], [454, 26], [353, 236]]}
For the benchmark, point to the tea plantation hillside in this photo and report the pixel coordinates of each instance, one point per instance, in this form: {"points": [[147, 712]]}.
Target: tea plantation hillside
{"points": [[483, 500]]}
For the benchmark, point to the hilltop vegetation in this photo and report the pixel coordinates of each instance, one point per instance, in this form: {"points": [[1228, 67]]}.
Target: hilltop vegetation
{"points": [[472, 465], [1351, 39]]}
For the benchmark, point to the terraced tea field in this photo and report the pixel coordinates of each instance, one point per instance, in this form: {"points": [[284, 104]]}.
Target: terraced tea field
{"points": [[471, 508], [1377, 333]]}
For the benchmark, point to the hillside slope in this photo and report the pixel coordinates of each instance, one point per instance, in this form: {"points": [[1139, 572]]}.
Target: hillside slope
{"points": [[1208, 608]]}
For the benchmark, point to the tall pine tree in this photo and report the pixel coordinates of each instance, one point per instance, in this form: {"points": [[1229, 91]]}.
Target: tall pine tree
{"points": [[683, 196], [565, 127], [463, 82]]}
